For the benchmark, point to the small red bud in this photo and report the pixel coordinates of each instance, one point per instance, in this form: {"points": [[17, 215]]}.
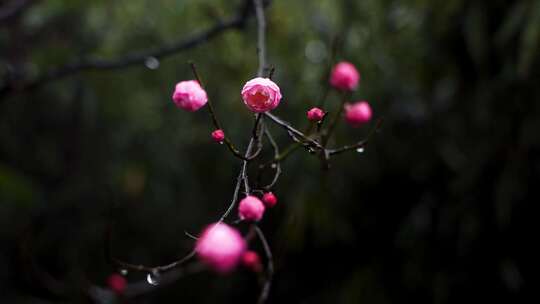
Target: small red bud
{"points": [[315, 114], [269, 199], [251, 260], [117, 283], [218, 135]]}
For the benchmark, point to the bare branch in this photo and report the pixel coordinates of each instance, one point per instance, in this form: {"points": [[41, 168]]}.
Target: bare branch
{"points": [[131, 59], [269, 266], [294, 131], [261, 36], [361, 144]]}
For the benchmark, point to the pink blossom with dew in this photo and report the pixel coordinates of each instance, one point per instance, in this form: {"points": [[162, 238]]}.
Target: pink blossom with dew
{"points": [[269, 199], [251, 208], [117, 283], [218, 135], [358, 113], [252, 261], [220, 247], [315, 114], [261, 95], [345, 76], [189, 95]]}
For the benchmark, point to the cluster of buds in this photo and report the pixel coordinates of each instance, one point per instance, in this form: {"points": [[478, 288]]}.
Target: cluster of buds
{"points": [[220, 246]]}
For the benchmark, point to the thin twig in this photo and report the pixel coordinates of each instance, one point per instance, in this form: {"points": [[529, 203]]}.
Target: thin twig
{"points": [[269, 266], [344, 98], [294, 131], [215, 119], [360, 144], [261, 36]]}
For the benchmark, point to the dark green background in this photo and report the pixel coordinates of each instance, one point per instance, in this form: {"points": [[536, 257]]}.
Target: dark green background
{"points": [[436, 210]]}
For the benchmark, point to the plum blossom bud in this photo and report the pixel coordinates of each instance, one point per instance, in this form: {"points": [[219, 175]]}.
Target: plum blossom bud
{"points": [[218, 135], [117, 283], [252, 261], [189, 95], [357, 113], [220, 247], [269, 199], [315, 114], [251, 208], [344, 76], [261, 95]]}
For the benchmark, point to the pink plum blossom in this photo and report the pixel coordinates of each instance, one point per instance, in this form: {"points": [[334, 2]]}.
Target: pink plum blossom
{"points": [[189, 95], [251, 208], [261, 95], [357, 113], [344, 76], [220, 247]]}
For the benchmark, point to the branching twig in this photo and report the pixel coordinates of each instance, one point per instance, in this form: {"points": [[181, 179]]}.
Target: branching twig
{"points": [[294, 131], [361, 144]]}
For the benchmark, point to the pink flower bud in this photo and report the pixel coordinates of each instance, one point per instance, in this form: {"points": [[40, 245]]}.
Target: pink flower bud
{"points": [[357, 113], [269, 199], [189, 95], [252, 261], [251, 208], [315, 114], [220, 247], [117, 283], [344, 76], [261, 95], [218, 135]]}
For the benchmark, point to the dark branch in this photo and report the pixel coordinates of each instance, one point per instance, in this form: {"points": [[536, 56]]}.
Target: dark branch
{"points": [[131, 59], [269, 266], [359, 145]]}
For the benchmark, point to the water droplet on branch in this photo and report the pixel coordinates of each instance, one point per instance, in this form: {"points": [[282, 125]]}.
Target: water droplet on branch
{"points": [[152, 63], [152, 278]]}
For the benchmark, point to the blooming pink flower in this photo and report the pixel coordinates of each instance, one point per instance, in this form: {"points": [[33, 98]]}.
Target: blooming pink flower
{"points": [[252, 261], [315, 114], [357, 113], [251, 208], [269, 199], [218, 135], [344, 76], [220, 247], [189, 95], [117, 283], [261, 94]]}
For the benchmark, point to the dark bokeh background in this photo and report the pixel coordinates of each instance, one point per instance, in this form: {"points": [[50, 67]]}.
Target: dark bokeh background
{"points": [[436, 210]]}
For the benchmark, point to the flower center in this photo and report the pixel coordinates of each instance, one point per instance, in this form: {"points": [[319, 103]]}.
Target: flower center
{"points": [[260, 97]]}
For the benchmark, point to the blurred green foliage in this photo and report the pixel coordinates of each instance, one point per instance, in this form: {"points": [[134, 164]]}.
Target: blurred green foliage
{"points": [[432, 212]]}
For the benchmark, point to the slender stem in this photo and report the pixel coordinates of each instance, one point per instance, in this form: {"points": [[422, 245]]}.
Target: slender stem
{"points": [[336, 119], [261, 36], [216, 122], [269, 266], [293, 131], [360, 144]]}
